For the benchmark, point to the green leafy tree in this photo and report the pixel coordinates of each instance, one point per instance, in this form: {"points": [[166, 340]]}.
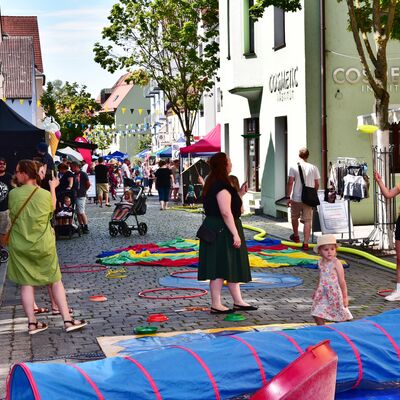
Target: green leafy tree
{"points": [[73, 108], [170, 42], [144, 142]]}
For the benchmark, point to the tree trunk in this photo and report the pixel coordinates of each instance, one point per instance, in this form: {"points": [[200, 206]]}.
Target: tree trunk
{"points": [[385, 211]]}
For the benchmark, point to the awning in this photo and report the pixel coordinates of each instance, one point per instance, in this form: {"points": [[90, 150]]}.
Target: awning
{"points": [[209, 145], [165, 152], [143, 153], [370, 119]]}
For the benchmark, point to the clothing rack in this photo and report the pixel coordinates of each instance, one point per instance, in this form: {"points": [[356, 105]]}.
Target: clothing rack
{"points": [[349, 163]]}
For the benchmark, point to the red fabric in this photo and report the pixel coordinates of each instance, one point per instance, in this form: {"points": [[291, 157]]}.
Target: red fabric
{"points": [[85, 153], [211, 143], [254, 249]]}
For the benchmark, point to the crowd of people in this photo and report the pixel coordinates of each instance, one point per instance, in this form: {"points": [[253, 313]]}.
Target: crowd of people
{"points": [[41, 188]]}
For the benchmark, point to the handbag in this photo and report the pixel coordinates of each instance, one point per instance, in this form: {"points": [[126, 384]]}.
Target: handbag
{"points": [[309, 195], [6, 238], [206, 234]]}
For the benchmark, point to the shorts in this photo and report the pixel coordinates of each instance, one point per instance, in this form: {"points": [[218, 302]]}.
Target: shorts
{"points": [[397, 231], [302, 210], [101, 188], [80, 205], [5, 222]]}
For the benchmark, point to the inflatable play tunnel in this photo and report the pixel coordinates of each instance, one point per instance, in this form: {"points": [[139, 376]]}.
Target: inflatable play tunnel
{"points": [[221, 368]]}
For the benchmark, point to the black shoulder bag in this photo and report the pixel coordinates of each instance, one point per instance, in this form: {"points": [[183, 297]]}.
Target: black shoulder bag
{"points": [[309, 195]]}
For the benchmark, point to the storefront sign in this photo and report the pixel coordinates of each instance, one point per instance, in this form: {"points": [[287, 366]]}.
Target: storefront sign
{"points": [[354, 75], [284, 83]]}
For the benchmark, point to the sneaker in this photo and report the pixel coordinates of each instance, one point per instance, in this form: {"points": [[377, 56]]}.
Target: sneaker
{"points": [[294, 238], [305, 247], [85, 229], [395, 296]]}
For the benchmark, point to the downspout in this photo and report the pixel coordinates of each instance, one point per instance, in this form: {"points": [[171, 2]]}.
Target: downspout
{"points": [[324, 145]]}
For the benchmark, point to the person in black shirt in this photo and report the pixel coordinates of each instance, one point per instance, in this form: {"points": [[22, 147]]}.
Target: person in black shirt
{"points": [[81, 186], [44, 156], [163, 180], [101, 173], [5, 187], [225, 257]]}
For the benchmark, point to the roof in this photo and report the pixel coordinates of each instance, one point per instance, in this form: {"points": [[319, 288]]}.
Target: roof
{"points": [[16, 58], [120, 90], [24, 26], [211, 143]]}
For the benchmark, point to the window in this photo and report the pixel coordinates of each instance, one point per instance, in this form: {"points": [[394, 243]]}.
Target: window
{"points": [[226, 138], [279, 28], [252, 153], [228, 28], [248, 30]]}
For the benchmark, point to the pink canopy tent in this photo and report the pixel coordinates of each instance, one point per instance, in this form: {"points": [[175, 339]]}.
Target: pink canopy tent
{"points": [[210, 144]]}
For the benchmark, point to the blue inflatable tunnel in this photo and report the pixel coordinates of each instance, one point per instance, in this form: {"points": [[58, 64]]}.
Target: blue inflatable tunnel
{"points": [[221, 368]]}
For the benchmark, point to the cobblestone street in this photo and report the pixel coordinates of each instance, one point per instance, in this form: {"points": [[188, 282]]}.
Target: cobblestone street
{"points": [[124, 310]]}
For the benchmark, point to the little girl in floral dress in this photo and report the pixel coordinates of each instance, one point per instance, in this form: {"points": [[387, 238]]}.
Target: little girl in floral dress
{"points": [[330, 300]]}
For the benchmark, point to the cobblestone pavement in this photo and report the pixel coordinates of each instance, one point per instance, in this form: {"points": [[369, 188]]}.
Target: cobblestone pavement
{"points": [[124, 310]]}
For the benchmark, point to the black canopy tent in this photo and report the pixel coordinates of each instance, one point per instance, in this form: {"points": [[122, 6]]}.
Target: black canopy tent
{"points": [[18, 137]]}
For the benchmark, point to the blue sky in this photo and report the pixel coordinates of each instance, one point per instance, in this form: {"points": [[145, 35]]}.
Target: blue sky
{"points": [[68, 30]]}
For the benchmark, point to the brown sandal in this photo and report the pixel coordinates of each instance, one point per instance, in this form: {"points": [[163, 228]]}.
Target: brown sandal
{"points": [[38, 328], [75, 324]]}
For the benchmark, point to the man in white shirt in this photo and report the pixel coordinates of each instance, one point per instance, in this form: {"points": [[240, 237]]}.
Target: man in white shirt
{"points": [[294, 188], [126, 174]]}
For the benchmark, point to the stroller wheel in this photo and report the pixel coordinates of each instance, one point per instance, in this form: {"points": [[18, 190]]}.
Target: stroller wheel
{"points": [[142, 229], [3, 255], [113, 230], [126, 231]]}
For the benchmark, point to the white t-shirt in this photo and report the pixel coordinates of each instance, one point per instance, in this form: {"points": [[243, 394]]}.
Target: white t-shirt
{"points": [[85, 168], [310, 173], [126, 172]]}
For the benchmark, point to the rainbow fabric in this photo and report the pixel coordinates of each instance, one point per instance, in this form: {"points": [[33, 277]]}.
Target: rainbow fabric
{"points": [[179, 252]]}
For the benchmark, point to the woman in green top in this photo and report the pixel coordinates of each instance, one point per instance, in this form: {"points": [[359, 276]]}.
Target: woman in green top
{"points": [[33, 256]]}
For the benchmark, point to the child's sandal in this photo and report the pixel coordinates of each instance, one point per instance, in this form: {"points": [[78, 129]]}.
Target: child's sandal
{"points": [[75, 324], [39, 327]]}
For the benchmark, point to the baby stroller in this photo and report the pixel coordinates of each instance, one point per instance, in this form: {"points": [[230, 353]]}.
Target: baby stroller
{"points": [[65, 218], [138, 207]]}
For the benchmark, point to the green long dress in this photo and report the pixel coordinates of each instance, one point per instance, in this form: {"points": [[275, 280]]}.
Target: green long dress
{"points": [[33, 256]]}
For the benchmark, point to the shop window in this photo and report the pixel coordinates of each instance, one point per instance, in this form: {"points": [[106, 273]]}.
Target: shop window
{"points": [[252, 153], [226, 138], [248, 30], [279, 28]]}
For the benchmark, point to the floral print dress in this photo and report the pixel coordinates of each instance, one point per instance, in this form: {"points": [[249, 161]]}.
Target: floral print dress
{"points": [[328, 298]]}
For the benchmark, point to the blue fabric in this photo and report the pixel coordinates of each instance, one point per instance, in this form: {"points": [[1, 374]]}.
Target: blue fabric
{"points": [[179, 376], [261, 280], [163, 193]]}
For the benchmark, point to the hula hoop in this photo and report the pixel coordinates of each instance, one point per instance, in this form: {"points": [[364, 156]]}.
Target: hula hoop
{"points": [[177, 274], [143, 293], [92, 268], [384, 292]]}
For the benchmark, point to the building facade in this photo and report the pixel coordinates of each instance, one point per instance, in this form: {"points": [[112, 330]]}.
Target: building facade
{"points": [[288, 81]]}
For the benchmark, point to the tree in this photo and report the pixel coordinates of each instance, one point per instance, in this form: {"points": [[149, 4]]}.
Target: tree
{"points": [[171, 42], [144, 142], [73, 108]]}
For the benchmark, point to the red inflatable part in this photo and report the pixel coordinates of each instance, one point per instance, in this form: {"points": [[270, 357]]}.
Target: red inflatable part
{"points": [[98, 298], [311, 376], [157, 318]]}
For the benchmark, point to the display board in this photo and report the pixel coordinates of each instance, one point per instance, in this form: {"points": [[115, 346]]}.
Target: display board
{"points": [[334, 217], [91, 193]]}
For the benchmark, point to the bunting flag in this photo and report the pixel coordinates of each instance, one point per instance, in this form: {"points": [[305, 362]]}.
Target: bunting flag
{"points": [[30, 102], [21, 101], [148, 112], [140, 111], [123, 109], [73, 107], [132, 110], [38, 103]]}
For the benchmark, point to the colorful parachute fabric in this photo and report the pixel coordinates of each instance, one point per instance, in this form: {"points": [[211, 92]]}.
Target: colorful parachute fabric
{"points": [[184, 252]]}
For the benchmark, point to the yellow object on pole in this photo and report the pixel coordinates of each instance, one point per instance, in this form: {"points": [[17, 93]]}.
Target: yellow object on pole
{"points": [[367, 129]]}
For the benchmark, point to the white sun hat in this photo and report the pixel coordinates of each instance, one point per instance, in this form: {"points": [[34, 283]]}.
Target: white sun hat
{"points": [[325, 239]]}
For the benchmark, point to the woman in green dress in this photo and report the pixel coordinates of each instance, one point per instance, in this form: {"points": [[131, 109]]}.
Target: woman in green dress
{"points": [[33, 256], [226, 257]]}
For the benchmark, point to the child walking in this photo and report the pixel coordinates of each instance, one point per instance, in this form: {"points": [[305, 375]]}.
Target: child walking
{"points": [[330, 300]]}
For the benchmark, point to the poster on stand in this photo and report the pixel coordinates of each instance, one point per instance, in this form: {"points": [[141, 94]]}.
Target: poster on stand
{"points": [[91, 193]]}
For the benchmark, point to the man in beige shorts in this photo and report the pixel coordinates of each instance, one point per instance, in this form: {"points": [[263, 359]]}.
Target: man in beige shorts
{"points": [[101, 173], [300, 210]]}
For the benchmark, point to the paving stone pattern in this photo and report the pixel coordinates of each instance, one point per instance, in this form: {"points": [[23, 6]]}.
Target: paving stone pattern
{"points": [[124, 310]]}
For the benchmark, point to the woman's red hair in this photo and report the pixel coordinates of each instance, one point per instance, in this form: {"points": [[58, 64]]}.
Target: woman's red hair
{"points": [[218, 163]]}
